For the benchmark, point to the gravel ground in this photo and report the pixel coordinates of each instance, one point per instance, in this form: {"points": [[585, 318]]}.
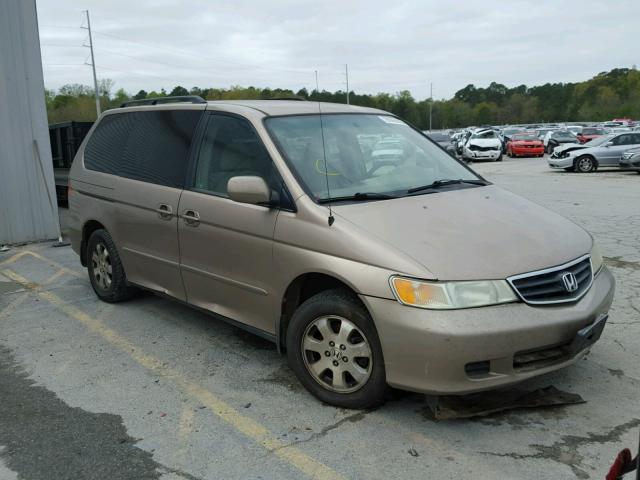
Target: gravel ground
{"points": [[151, 389]]}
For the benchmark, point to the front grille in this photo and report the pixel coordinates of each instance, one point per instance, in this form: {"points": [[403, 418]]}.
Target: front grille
{"points": [[478, 148], [548, 286]]}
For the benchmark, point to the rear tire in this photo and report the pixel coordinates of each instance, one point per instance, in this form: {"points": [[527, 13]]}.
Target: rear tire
{"points": [[106, 272], [334, 350]]}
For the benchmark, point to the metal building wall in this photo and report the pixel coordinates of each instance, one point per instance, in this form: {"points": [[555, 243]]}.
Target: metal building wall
{"points": [[28, 208]]}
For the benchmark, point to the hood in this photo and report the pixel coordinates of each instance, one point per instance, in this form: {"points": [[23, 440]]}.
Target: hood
{"points": [[472, 233], [485, 142], [526, 142], [567, 147]]}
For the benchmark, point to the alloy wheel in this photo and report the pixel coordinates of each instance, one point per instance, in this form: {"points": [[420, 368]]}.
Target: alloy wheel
{"points": [[337, 354], [101, 266], [585, 164]]}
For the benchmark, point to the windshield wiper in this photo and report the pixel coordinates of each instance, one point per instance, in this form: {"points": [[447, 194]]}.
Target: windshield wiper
{"points": [[445, 182], [358, 197]]}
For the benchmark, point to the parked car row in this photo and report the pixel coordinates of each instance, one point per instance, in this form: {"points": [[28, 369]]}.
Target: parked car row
{"points": [[612, 150]]}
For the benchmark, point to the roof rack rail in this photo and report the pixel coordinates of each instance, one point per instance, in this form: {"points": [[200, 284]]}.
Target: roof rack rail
{"points": [[161, 100], [291, 97]]}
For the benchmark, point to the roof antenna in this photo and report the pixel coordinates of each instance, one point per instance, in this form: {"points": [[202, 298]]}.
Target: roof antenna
{"points": [[324, 153]]}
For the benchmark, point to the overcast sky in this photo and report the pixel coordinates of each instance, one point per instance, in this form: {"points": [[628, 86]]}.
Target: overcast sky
{"points": [[389, 45]]}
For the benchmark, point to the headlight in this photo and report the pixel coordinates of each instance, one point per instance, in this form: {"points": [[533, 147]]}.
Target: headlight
{"points": [[596, 259], [451, 295]]}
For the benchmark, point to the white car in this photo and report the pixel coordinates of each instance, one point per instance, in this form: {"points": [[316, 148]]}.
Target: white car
{"points": [[483, 145]]}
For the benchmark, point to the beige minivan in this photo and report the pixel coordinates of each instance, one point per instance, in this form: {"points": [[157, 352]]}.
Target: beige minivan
{"points": [[342, 234]]}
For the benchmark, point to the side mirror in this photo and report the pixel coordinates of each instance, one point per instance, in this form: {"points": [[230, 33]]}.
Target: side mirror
{"points": [[248, 189], [608, 144]]}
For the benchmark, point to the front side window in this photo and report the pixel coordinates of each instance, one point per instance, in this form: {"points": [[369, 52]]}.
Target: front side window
{"points": [[360, 153], [623, 140], [231, 148]]}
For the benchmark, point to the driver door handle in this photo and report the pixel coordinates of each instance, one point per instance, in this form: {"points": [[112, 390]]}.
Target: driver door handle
{"points": [[191, 218]]}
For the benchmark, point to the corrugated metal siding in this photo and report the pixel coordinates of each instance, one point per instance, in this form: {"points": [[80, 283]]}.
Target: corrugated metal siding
{"points": [[28, 209]]}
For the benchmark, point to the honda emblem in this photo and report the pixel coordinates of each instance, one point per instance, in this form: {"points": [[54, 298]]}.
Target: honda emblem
{"points": [[570, 282]]}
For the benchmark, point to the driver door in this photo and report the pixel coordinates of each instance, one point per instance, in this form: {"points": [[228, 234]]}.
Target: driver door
{"points": [[226, 248]]}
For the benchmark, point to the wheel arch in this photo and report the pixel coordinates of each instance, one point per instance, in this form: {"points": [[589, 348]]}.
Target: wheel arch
{"points": [[88, 228], [301, 288], [591, 156]]}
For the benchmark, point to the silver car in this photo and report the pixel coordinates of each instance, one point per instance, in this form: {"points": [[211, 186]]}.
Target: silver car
{"points": [[605, 151]]}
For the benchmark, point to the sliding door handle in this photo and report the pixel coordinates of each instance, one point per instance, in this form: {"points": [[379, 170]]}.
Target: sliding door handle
{"points": [[164, 211]]}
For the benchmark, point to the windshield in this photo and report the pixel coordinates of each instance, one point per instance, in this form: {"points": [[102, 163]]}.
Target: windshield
{"points": [[599, 140], [364, 154], [510, 131], [527, 137], [484, 134], [563, 136], [438, 137], [543, 131]]}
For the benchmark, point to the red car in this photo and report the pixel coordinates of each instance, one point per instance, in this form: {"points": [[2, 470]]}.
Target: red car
{"points": [[589, 133], [525, 145]]}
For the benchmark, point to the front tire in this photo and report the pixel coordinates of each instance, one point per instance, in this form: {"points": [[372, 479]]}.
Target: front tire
{"points": [[106, 272], [334, 350], [585, 164]]}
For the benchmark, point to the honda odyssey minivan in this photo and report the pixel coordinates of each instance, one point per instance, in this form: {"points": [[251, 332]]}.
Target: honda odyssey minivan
{"points": [[341, 233]]}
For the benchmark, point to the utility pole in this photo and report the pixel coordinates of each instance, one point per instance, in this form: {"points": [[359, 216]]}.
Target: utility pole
{"points": [[430, 104], [346, 74], [93, 63]]}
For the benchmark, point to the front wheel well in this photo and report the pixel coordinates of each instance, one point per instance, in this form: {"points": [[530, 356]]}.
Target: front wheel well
{"points": [[88, 228], [301, 289], [593, 159]]}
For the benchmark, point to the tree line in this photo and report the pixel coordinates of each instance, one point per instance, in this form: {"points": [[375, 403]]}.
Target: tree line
{"points": [[607, 95]]}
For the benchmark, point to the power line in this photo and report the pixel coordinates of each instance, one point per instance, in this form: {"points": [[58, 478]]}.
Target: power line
{"points": [[201, 57]]}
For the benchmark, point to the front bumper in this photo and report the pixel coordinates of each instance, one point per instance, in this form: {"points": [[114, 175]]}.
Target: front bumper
{"points": [[566, 162], [526, 151], [438, 352], [631, 164], [482, 154]]}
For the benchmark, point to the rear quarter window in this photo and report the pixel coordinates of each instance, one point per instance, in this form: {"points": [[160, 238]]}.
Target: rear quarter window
{"points": [[150, 146]]}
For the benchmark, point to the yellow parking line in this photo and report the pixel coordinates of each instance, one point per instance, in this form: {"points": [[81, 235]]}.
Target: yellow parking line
{"points": [[53, 263], [19, 299], [14, 258], [53, 278], [249, 427]]}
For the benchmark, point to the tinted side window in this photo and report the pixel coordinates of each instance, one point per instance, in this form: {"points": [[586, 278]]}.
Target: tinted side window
{"points": [[623, 140], [231, 147], [148, 146]]}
